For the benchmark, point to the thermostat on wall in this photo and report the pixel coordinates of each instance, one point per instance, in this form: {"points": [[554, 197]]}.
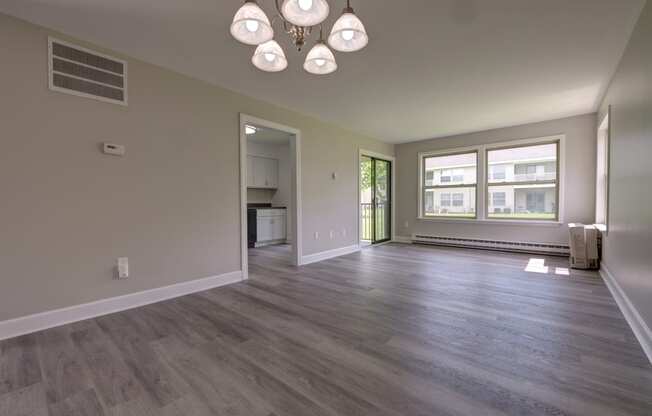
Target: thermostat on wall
{"points": [[114, 149]]}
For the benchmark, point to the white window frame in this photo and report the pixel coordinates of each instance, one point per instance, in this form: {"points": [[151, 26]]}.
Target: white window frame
{"points": [[482, 189], [602, 187]]}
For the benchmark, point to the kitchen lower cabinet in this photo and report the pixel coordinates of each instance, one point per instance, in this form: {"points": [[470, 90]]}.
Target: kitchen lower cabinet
{"points": [[270, 226]]}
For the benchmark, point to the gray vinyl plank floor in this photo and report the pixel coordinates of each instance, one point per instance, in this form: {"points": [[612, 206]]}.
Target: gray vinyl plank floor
{"points": [[393, 330]]}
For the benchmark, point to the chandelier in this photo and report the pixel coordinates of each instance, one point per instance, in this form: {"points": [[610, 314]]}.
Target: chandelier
{"points": [[299, 19]]}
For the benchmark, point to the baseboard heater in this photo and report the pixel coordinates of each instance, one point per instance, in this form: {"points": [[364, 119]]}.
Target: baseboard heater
{"points": [[514, 246]]}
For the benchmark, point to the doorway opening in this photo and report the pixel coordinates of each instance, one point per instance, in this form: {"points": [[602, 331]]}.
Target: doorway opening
{"points": [[270, 195], [376, 198]]}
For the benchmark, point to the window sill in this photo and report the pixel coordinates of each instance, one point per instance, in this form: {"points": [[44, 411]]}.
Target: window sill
{"points": [[535, 223]]}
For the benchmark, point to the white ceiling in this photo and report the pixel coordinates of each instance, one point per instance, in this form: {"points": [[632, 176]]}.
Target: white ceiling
{"points": [[433, 67]]}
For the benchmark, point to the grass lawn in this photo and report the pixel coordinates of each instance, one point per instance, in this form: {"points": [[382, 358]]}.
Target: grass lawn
{"points": [[524, 216], [451, 215]]}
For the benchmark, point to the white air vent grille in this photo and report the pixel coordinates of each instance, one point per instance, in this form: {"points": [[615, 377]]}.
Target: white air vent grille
{"points": [[525, 247], [85, 73]]}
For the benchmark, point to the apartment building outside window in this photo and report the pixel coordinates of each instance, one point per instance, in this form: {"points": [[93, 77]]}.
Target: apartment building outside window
{"points": [[529, 185], [449, 188], [520, 181]]}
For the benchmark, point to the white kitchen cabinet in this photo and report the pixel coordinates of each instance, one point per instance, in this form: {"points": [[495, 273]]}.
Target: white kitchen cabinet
{"points": [[278, 227], [270, 226], [262, 172], [264, 229], [271, 172]]}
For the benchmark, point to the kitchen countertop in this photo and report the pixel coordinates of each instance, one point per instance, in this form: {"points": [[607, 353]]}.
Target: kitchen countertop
{"points": [[265, 207]]}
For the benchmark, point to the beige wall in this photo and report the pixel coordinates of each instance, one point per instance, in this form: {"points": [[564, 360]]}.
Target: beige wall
{"points": [[260, 196], [628, 246], [171, 205], [579, 192]]}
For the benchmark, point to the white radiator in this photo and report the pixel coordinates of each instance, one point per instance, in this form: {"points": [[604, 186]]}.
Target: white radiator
{"points": [[516, 246]]}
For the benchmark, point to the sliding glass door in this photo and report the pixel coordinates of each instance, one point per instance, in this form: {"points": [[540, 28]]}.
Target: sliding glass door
{"points": [[375, 200]]}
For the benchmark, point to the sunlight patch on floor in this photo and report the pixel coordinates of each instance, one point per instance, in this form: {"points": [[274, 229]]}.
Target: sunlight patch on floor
{"points": [[539, 266]]}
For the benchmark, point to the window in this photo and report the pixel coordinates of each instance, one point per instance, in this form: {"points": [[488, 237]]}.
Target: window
{"points": [[602, 174], [498, 172], [498, 199], [453, 175], [520, 181], [449, 185], [430, 178], [532, 190]]}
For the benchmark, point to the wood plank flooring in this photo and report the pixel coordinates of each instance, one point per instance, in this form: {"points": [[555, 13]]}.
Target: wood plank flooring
{"points": [[395, 330]]}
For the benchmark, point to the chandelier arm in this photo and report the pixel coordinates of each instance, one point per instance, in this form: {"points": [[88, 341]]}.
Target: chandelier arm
{"points": [[278, 10]]}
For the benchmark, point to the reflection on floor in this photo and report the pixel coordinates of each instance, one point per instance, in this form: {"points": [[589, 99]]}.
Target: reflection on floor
{"points": [[393, 330], [269, 258]]}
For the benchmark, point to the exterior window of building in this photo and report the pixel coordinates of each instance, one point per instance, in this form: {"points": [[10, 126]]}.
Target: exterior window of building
{"points": [[498, 199], [455, 176], [498, 172], [531, 193], [430, 178], [449, 185]]}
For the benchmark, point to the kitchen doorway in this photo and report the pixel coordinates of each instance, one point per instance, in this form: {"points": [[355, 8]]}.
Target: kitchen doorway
{"points": [[270, 195]]}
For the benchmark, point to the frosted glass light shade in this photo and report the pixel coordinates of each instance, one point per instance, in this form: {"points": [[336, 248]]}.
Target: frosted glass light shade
{"points": [[348, 34], [251, 25], [269, 57], [305, 12], [320, 60]]}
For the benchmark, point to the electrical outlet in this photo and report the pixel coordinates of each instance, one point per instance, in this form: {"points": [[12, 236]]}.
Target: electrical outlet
{"points": [[332, 234], [343, 232], [316, 235], [406, 225]]}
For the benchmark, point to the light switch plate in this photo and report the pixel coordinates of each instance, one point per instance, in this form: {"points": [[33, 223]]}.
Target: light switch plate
{"points": [[114, 149], [123, 267]]}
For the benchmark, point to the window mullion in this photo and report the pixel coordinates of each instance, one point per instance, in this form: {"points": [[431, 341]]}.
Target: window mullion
{"points": [[481, 197]]}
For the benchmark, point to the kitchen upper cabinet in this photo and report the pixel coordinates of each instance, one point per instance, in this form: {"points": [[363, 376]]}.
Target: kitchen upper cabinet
{"points": [[262, 172], [271, 170]]}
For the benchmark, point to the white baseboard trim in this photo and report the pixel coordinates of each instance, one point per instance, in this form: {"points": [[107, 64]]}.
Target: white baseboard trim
{"points": [[329, 254], [402, 239], [639, 327], [44, 320]]}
